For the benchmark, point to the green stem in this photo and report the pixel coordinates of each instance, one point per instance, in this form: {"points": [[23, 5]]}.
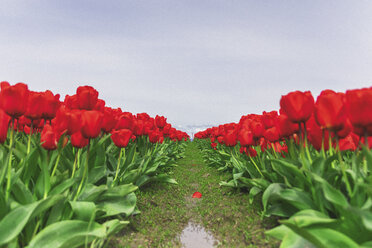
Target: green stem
{"points": [[306, 145], [9, 174], [118, 165], [254, 163], [57, 162], [343, 170], [85, 174], [46, 172], [74, 165], [323, 148], [29, 138]]}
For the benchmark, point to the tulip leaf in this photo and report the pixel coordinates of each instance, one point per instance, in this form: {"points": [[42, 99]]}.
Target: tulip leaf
{"points": [[83, 210], [67, 234], [118, 205], [13, 223]]}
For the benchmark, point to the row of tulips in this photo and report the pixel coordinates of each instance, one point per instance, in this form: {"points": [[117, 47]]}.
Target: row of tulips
{"points": [[310, 165], [73, 167]]}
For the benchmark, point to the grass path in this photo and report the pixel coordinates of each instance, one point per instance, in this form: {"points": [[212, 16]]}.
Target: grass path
{"points": [[166, 210]]}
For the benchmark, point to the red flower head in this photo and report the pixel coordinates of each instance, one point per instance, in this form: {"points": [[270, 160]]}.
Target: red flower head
{"points": [[35, 105], [138, 127], [214, 145], [143, 116], [330, 110], [121, 137], [160, 121], [315, 134], [91, 123], [272, 134], [100, 105], [359, 106], [286, 127], [14, 99], [49, 138], [251, 152], [269, 119], [125, 121], [87, 97], [51, 106], [230, 138], [4, 125], [67, 120], [297, 105], [78, 141], [109, 120], [245, 137], [154, 136], [71, 102]]}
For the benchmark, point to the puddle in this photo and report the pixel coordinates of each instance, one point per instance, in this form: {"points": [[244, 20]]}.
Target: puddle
{"points": [[194, 235]]}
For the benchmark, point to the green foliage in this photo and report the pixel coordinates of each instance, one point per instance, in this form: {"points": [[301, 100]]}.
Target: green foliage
{"points": [[70, 197], [325, 200]]}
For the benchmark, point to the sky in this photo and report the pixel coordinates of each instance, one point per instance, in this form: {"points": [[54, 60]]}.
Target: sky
{"points": [[196, 62]]}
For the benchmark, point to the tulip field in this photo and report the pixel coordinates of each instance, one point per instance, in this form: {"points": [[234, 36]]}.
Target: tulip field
{"points": [[309, 165], [71, 170]]}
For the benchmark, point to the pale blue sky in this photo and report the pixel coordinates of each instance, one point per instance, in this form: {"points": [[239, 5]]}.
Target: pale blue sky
{"points": [[195, 62]]}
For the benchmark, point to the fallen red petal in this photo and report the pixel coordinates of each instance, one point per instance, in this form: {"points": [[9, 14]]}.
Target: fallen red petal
{"points": [[197, 195]]}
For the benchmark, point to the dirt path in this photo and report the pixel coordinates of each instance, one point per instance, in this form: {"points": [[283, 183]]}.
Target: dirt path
{"points": [[167, 209]]}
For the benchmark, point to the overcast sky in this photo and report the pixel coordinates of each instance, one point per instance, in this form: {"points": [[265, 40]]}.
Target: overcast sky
{"points": [[196, 62]]}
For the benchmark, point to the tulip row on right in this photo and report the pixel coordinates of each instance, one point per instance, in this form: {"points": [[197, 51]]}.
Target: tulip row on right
{"points": [[309, 165]]}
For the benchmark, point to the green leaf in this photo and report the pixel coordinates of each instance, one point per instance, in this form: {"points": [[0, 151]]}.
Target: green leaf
{"points": [[322, 237], [310, 217], [67, 234], [14, 222], [83, 210], [331, 194], [118, 205]]}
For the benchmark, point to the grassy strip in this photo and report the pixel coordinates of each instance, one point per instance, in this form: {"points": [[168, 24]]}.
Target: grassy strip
{"points": [[166, 209]]}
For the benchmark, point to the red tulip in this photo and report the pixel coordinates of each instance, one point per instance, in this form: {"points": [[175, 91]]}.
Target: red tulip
{"points": [[35, 105], [297, 105], [269, 119], [245, 137], [160, 121], [87, 97], [71, 102], [359, 106], [315, 134], [109, 120], [91, 123], [330, 110], [197, 195], [252, 152], [67, 120], [348, 143], [214, 145], [78, 141], [154, 136], [230, 138], [121, 137], [272, 134], [51, 106], [14, 99], [286, 127], [138, 128], [4, 125], [125, 121], [49, 138]]}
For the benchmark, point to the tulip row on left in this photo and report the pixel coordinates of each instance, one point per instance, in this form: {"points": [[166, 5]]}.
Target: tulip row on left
{"points": [[74, 166]]}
